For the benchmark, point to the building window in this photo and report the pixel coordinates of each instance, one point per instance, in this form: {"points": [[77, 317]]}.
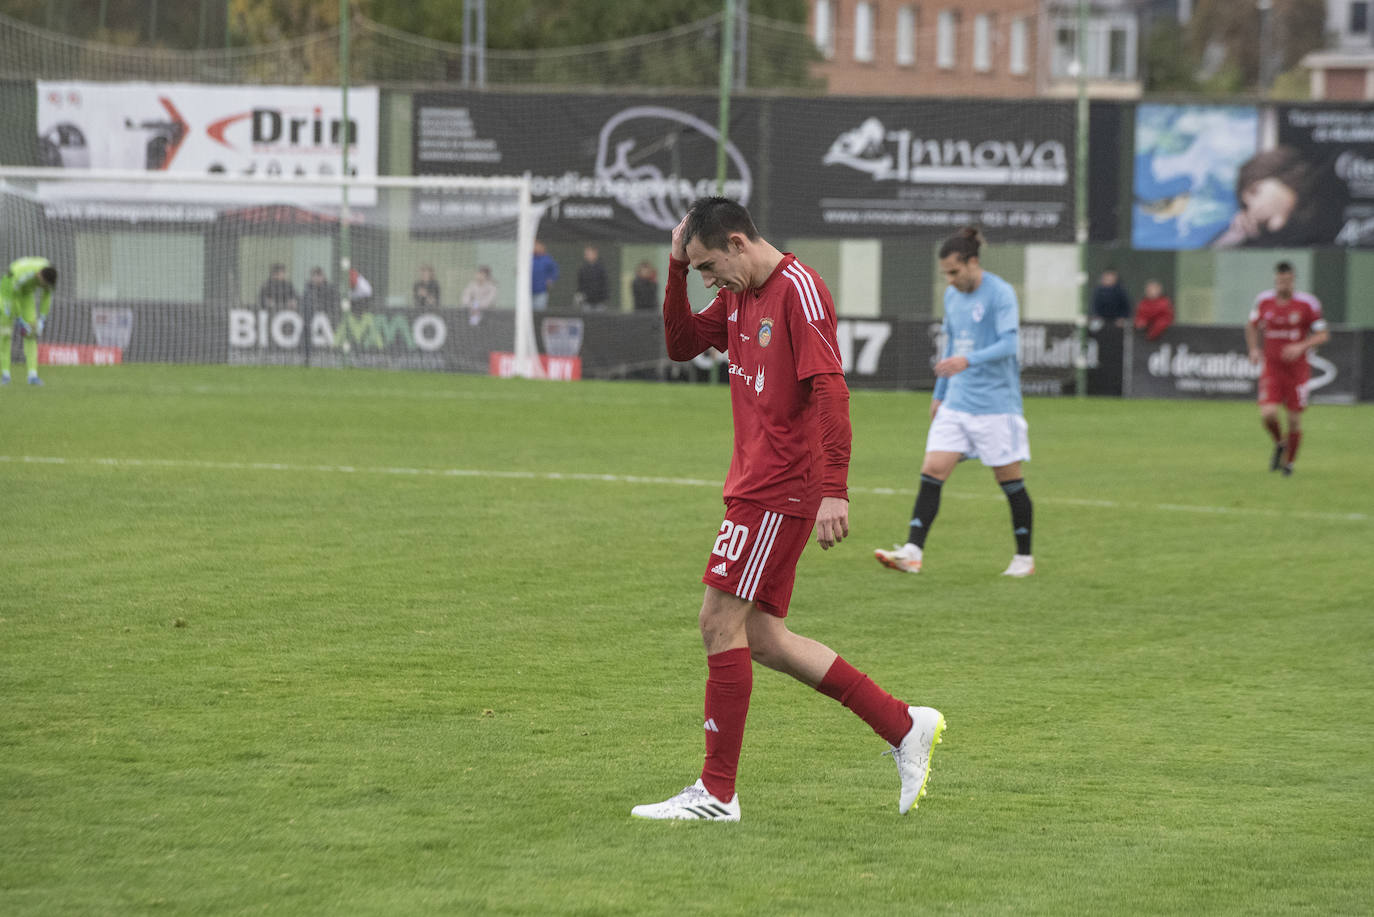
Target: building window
{"points": [[983, 26], [1359, 17], [1065, 49], [1108, 49], [1118, 55], [906, 36], [863, 32], [1019, 58], [825, 28], [947, 39]]}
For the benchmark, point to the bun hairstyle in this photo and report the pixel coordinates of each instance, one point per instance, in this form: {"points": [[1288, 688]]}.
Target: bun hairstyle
{"points": [[965, 243]]}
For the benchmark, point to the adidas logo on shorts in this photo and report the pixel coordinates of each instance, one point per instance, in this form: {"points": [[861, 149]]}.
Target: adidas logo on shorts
{"points": [[718, 570]]}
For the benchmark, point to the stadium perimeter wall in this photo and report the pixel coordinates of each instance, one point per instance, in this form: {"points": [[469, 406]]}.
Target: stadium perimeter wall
{"points": [[1187, 361], [808, 163]]}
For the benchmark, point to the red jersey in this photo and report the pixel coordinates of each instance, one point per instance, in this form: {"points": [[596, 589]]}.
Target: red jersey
{"points": [[1154, 315], [1283, 323], [778, 335]]}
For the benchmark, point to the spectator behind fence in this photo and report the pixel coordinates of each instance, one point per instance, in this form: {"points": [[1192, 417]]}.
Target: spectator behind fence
{"points": [[593, 287], [644, 288], [1110, 300], [425, 292], [278, 292], [543, 273], [359, 290], [1155, 313], [479, 295]]}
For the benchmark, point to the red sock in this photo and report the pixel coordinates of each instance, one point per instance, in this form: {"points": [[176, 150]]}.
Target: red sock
{"points": [[886, 714], [729, 680], [1294, 437], [1272, 425]]}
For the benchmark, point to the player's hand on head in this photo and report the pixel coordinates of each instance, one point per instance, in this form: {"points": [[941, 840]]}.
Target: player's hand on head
{"points": [[679, 246]]}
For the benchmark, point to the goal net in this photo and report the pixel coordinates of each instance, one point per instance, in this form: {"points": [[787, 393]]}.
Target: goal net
{"points": [[394, 273]]}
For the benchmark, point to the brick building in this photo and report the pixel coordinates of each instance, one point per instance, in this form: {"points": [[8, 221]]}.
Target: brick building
{"points": [[997, 48]]}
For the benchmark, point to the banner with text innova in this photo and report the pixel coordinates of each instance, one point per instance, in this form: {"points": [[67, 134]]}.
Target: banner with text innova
{"points": [[603, 166], [840, 167], [1208, 361], [186, 129]]}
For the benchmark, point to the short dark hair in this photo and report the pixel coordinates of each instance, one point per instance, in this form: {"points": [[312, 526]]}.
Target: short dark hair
{"points": [[1284, 267], [277, 267], [49, 275], [965, 243], [711, 220], [1283, 163]]}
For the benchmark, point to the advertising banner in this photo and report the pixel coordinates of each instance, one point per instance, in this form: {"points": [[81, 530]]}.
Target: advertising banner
{"points": [[603, 167], [190, 129], [902, 353], [875, 168], [1326, 156], [1187, 159], [1205, 361]]}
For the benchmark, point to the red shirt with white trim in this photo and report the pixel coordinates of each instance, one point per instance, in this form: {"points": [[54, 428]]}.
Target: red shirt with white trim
{"points": [[778, 335], [1283, 322]]}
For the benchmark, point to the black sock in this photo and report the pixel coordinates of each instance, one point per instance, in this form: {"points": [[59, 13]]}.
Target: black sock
{"points": [[923, 514], [1020, 513]]}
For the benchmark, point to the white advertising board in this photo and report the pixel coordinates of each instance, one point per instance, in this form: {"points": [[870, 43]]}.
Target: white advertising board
{"points": [[187, 129]]}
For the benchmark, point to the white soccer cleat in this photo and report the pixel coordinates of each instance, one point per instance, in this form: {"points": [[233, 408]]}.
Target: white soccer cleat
{"points": [[695, 803], [913, 755], [1021, 565], [903, 557]]}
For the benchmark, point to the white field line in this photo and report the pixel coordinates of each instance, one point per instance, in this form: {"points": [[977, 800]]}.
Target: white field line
{"points": [[196, 464]]}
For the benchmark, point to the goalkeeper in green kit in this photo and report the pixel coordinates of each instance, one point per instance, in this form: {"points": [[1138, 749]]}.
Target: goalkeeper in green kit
{"points": [[25, 300]]}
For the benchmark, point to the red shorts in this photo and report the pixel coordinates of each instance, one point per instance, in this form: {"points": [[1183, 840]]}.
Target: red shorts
{"points": [[1284, 386], [755, 555]]}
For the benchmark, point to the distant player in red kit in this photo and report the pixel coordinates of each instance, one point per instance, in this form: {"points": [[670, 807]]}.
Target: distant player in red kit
{"points": [[788, 475], [1292, 325]]}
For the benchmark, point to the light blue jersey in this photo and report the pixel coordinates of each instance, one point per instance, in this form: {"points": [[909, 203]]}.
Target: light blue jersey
{"points": [[983, 326]]}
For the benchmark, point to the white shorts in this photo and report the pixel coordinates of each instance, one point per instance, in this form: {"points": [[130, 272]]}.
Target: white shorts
{"points": [[993, 439]]}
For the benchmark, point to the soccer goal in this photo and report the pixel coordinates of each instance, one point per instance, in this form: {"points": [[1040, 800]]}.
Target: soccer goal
{"points": [[395, 273]]}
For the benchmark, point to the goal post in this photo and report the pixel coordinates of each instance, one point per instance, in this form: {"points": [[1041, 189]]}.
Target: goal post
{"points": [[216, 268]]}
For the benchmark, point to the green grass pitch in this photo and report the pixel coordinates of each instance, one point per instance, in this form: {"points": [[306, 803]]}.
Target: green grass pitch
{"points": [[307, 642]]}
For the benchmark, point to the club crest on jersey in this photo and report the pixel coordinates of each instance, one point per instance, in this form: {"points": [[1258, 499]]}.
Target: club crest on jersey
{"points": [[1293, 318], [765, 332], [978, 312]]}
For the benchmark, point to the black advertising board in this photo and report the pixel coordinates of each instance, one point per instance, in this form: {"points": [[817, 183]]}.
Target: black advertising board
{"points": [[1331, 156], [1208, 361], [883, 353], [604, 166], [866, 167]]}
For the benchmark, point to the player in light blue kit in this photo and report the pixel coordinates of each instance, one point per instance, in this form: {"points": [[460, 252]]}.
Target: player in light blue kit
{"points": [[976, 410]]}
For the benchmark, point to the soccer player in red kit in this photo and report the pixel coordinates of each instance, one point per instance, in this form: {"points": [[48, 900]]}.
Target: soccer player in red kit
{"points": [[1292, 324], [787, 476]]}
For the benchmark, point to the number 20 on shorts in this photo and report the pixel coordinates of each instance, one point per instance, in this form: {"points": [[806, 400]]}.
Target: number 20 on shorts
{"points": [[731, 541]]}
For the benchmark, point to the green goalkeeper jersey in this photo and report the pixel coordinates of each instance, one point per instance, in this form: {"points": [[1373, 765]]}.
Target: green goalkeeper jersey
{"points": [[20, 292]]}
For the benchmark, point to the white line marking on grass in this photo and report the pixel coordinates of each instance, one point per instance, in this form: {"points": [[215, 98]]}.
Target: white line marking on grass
{"points": [[643, 479]]}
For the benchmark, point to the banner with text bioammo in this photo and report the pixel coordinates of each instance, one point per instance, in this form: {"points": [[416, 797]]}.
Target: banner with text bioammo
{"points": [[603, 166], [865, 167]]}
